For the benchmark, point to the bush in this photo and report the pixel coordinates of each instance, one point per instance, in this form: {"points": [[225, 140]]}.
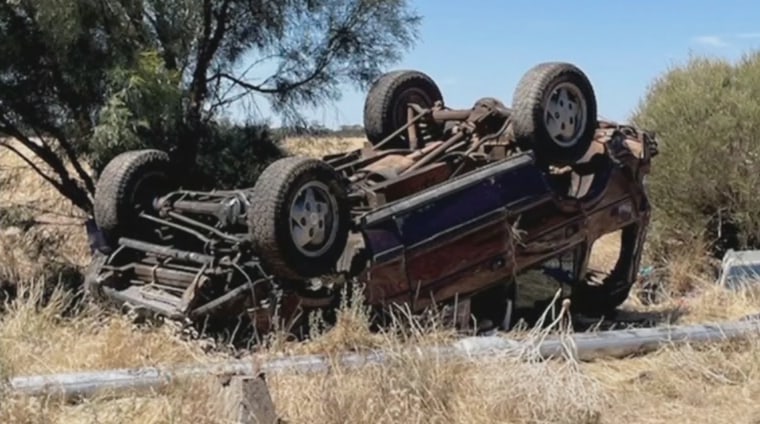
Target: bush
{"points": [[144, 110], [706, 114], [234, 156]]}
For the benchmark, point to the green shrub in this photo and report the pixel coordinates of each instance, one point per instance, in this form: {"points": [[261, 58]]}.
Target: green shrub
{"points": [[234, 156], [704, 184], [144, 110]]}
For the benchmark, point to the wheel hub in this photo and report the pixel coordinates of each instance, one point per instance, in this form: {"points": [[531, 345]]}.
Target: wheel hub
{"points": [[565, 115], [313, 217], [147, 189]]}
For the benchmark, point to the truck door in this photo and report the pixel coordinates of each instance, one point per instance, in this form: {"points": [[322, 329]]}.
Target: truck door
{"points": [[458, 236]]}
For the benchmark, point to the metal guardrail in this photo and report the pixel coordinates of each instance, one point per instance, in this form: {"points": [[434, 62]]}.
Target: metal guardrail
{"points": [[583, 346]]}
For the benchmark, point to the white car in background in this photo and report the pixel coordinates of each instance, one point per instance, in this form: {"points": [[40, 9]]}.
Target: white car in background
{"points": [[739, 269]]}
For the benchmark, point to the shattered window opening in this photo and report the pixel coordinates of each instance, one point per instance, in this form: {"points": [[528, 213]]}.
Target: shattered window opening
{"points": [[537, 286]]}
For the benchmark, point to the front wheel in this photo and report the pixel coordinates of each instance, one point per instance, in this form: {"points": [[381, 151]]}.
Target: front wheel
{"points": [[299, 217], [385, 108], [128, 186], [554, 113]]}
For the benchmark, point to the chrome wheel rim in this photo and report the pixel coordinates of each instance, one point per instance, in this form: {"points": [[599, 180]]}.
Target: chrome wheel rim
{"points": [[313, 219], [565, 114]]}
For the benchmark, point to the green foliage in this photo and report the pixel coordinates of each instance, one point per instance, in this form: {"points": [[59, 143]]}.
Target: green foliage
{"points": [[143, 110], [53, 77], [234, 156], [94, 78], [706, 114]]}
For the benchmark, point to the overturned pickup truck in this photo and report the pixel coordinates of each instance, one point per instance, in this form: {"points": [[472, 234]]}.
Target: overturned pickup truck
{"points": [[441, 205]]}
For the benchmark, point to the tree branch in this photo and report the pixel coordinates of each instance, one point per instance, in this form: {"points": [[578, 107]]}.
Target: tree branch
{"points": [[226, 100], [207, 48], [71, 156], [65, 185], [323, 62], [159, 24], [242, 75], [31, 164], [275, 90]]}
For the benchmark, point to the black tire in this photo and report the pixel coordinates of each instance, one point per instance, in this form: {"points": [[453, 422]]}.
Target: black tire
{"points": [[127, 185], [269, 217], [534, 91], [385, 108]]}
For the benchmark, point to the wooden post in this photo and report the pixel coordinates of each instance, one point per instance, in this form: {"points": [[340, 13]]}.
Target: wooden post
{"points": [[242, 399]]}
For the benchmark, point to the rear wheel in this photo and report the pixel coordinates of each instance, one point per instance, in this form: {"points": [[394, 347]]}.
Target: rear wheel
{"points": [[299, 217], [385, 108], [128, 185], [554, 113]]}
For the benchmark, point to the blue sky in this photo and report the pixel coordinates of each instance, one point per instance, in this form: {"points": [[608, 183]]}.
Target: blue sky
{"points": [[481, 48]]}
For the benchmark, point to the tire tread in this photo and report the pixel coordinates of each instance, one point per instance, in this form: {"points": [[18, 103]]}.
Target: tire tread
{"points": [[528, 102], [268, 209], [378, 118], [113, 185]]}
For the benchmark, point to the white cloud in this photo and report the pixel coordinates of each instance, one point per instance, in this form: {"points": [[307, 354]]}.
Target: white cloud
{"points": [[748, 35], [711, 40], [725, 39]]}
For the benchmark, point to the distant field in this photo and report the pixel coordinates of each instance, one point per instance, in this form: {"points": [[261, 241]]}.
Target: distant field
{"points": [[711, 384], [321, 146]]}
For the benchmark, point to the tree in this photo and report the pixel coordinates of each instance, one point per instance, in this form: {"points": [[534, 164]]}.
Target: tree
{"points": [[82, 80], [706, 114]]}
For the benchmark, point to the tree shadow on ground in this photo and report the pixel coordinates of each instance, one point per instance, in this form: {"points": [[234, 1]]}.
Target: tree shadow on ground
{"points": [[530, 315], [626, 319], [65, 278]]}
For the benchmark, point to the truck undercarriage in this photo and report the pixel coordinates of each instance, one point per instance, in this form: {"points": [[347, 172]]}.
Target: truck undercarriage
{"points": [[440, 204]]}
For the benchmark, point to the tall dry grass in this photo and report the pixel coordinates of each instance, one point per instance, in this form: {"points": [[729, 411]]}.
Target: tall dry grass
{"points": [[693, 383], [410, 388], [41, 233], [40, 332]]}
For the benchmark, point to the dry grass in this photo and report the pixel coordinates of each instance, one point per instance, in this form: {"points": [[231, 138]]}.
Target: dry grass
{"points": [[40, 231], [410, 388], [687, 383], [39, 337], [713, 384], [321, 146], [697, 384], [605, 252]]}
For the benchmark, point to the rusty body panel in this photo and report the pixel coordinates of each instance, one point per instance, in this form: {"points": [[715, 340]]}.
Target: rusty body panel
{"points": [[458, 239], [447, 216]]}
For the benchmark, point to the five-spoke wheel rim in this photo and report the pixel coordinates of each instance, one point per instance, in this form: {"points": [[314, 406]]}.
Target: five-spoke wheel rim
{"points": [[565, 114], [313, 219]]}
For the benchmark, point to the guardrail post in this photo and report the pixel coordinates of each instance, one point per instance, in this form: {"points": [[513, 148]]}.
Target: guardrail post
{"points": [[243, 399]]}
